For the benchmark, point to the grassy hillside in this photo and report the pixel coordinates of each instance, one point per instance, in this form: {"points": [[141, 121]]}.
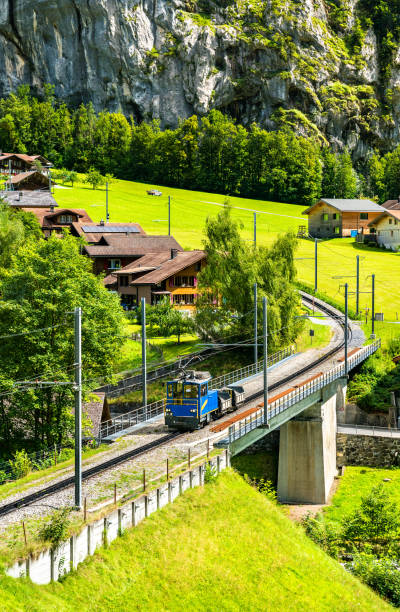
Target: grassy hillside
{"points": [[128, 201], [222, 547], [356, 483]]}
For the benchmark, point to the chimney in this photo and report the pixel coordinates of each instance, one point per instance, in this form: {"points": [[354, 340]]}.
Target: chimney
{"points": [[102, 223], [174, 253]]}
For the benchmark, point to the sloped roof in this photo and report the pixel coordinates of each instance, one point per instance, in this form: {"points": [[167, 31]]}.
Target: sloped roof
{"points": [[386, 213], [169, 267], [93, 232], [47, 218], [131, 245], [26, 158], [22, 176], [29, 199], [98, 411], [146, 263], [347, 205], [392, 204]]}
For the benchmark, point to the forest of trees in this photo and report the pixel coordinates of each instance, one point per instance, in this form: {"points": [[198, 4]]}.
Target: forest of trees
{"points": [[211, 153]]}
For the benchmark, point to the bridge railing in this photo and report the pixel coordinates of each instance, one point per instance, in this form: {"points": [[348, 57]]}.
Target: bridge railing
{"points": [[372, 430], [124, 421], [144, 413], [250, 370], [240, 428]]}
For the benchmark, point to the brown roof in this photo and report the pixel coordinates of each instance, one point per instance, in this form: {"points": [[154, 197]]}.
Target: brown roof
{"points": [[133, 244], [22, 176], [387, 213], [47, 217], [110, 280], [148, 262], [169, 267], [392, 204], [26, 158]]}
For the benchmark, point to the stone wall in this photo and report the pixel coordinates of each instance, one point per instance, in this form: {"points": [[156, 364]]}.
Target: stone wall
{"points": [[369, 451], [351, 414]]}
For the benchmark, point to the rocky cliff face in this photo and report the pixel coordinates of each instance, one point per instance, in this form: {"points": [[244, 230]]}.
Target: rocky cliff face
{"points": [[277, 62]]}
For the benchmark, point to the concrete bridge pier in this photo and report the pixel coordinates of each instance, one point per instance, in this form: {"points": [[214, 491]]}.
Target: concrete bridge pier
{"points": [[307, 449]]}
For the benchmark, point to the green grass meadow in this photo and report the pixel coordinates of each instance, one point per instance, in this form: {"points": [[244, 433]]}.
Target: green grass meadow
{"points": [[356, 483], [220, 547], [128, 201]]}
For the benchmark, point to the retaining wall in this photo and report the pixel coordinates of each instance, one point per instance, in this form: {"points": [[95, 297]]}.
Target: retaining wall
{"points": [[52, 564], [370, 451]]}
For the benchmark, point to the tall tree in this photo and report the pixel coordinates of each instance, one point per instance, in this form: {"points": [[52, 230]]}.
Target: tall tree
{"points": [[47, 280]]}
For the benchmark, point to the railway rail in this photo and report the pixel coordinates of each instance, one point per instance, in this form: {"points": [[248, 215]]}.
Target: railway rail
{"points": [[110, 463]]}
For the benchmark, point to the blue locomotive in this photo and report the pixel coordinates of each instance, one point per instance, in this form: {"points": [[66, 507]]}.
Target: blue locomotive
{"points": [[190, 403]]}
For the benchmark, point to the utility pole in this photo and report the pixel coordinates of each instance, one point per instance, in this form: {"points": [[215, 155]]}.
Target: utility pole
{"points": [[169, 215], [255, 324], [346, 288], [265, 342], [373, 307], [107, 215], [358, 286], [255, 228], [78, 406], [144, 365], [315, 265]]}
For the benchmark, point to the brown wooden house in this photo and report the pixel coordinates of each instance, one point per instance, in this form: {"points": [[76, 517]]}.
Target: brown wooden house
{"points": [[156, 276], [338, 218]]}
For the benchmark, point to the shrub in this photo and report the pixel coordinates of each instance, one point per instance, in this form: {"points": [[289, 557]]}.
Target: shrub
{"points": [[3, 476], [21, 465], [210, 474], [322, 533], [56, 528], [382, 575]]}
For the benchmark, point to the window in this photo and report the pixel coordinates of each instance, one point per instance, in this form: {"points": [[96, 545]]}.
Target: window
{"points": [[390, 222], [177, 389], [203, 390], [395, 221], [335, 216], [325, 217], [337, 230], [391, 233], [65, 219], [115, 264], [123, 281], [191, 391], [198, 266], [363, 215], [178, 281], [182, 300]]}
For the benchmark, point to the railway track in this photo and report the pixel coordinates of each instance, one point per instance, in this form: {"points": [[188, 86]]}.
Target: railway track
{"points": [[93, 471], [102, 467]]}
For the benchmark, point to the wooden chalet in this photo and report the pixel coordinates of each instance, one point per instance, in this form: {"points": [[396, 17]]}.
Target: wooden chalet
{"points": [[338, 218], [386, 228], [17, 163], [115, 250], [155, 276]]}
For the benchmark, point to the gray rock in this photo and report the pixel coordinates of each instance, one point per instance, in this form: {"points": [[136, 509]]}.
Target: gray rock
{"points": [[152, 59]]}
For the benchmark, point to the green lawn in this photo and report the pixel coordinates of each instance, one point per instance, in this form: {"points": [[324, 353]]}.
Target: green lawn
{"points": [[356, 483], [336, 258], [221, 547]]}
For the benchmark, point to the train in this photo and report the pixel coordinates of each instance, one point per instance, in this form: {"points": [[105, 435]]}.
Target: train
{"points": [[191, 403]]}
